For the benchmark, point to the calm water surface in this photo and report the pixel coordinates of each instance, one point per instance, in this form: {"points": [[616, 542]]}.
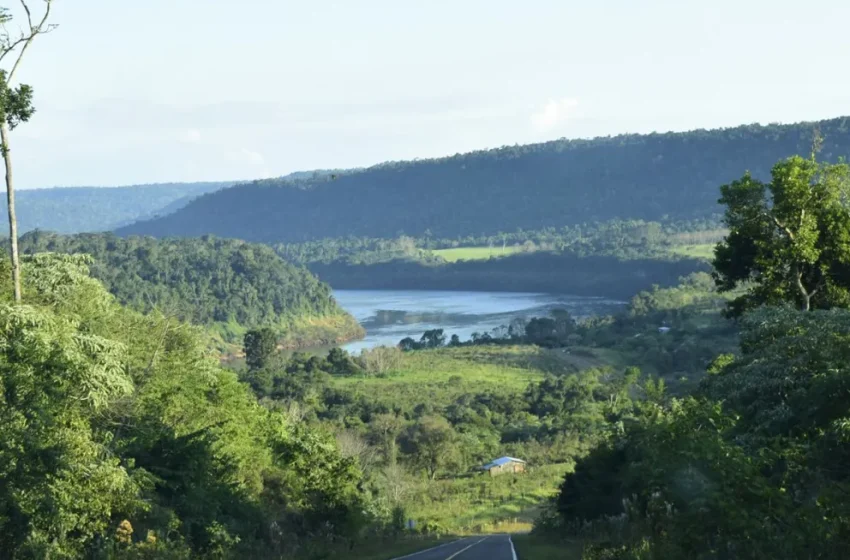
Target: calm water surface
{"points": [[390, 315]]}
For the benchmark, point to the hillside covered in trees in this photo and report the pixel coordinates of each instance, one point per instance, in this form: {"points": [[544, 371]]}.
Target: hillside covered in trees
{"points": [[123, 438], [97, 209], [225, 284], [88, 209], [651, 177]]}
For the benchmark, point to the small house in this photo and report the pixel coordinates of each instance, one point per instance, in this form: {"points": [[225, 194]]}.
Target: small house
{"points": [[504, 465]]}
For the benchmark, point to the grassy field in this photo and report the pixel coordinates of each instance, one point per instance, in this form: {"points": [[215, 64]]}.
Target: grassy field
{"points": [[476, 253], [440, 376], [478, 503], [704, 251], [530, 547]]}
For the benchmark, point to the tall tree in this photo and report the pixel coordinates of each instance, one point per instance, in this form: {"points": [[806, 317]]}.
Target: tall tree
{"points": [[789, 239], [259, 345], [433, 444], [16, 107]]}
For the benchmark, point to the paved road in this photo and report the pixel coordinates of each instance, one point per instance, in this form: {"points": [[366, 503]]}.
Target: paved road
{"points": [[493, 547]]}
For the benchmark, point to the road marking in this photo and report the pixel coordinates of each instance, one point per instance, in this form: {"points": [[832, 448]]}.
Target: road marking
{"points": [[459, 552], [427, 550], [513, 550]]}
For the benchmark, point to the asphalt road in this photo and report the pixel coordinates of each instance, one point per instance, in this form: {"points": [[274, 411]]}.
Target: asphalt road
{"points": [[493, 547]]}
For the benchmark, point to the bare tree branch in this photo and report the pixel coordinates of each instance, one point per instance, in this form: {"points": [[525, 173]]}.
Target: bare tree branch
{"points": [[784, 228], [40, 29], [29, 14], [11, 46]]}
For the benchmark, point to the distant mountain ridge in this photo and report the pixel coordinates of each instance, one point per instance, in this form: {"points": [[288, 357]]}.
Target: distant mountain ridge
{"points": [[655, 176], [96, 209], [92, 209]]}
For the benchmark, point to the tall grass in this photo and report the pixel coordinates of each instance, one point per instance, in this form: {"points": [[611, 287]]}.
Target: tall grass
{"points": [[478, 503], [476, 253]]}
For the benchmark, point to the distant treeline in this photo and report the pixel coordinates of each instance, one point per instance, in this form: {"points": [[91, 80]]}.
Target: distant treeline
{"points": [[97, 209], [671, 176], [229, 284], [534, 272], [626, 239], [94, 209]]}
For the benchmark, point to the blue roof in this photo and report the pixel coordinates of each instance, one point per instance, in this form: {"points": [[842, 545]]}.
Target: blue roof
{"points": [[502, 461]]}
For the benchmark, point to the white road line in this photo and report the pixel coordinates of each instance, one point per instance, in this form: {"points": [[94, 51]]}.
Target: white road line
{"points": [[513, 550], [427, 550], [459, 552]]}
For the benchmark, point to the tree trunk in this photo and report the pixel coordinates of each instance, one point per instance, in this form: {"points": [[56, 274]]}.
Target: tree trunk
{"points": [[13, 222], [807, 297]]}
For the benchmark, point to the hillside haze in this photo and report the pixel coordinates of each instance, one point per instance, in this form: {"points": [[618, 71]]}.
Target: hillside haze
{"points": [[99, 209], [563, 182], [92, 209]]}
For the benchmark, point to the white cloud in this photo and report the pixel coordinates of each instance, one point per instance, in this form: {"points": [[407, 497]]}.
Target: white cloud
{"points": [[246, 156], [191, 136], [254, 158], [554, 113]]}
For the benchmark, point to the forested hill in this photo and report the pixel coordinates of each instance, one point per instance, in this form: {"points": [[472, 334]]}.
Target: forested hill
{"points": [[228, 285], [96, 209], [80, 209], [650, 177]]}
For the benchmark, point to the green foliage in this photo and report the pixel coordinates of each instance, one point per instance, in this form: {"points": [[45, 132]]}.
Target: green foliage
{"points": [[207, 281], [791, 374], [625, 239], [479, 503], [790, 238], [60, 484], [754, 467], [15, 103], [123, 438], [259, 345], [564, 182], [432, 443]]}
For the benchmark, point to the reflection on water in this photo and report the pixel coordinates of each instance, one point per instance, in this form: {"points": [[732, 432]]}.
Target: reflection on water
{"points": [[390, 315]]}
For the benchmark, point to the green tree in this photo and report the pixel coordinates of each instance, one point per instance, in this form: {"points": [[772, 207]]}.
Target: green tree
{"points": [[15, 108], [259, 345], [340, 363], [61, 482], [433, 338], [789, 240], [432, 443], [384, 432]]}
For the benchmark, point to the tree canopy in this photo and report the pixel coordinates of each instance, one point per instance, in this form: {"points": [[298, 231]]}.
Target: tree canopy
{"points": [[789, 239], [227, 284], [123, 438]]}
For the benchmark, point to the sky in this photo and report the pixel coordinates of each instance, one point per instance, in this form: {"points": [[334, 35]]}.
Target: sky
{"points": [[204, 90]]}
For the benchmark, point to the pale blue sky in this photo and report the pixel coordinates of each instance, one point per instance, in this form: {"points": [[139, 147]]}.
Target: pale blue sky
{"points": [[189, 90]]}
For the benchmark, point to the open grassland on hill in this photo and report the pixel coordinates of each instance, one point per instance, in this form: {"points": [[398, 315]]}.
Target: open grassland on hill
{"points": [[702, 251], [476, 253], [440, 376], [479, 503]]}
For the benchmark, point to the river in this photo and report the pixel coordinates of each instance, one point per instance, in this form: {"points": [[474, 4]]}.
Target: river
{"points": [[390, 315]]}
